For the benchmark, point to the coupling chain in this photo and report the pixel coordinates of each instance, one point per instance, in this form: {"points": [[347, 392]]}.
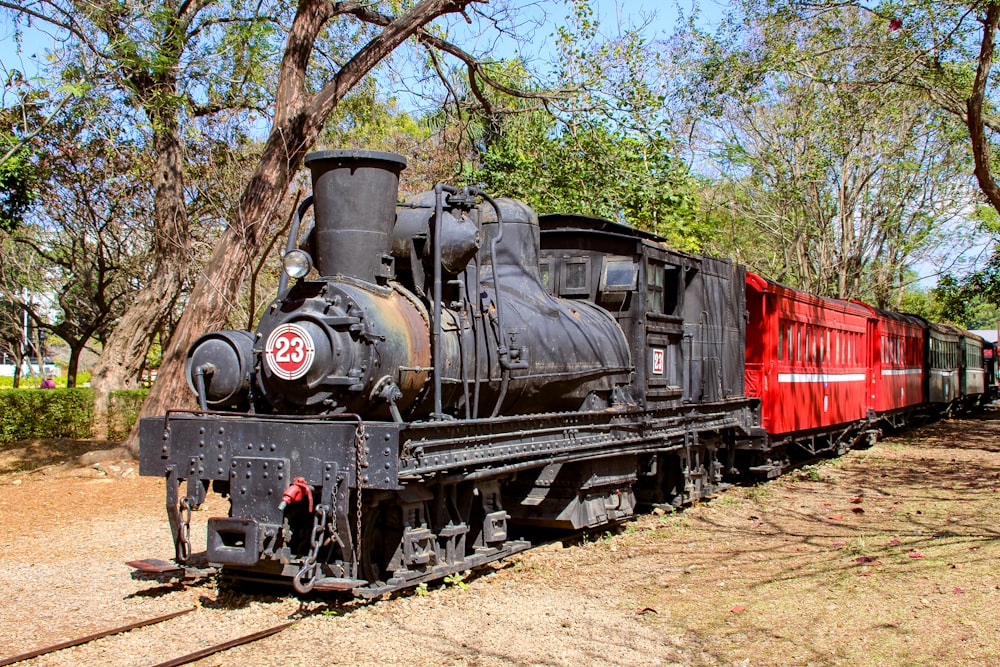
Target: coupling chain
{"points": [[305, 578], [359, 443], [183, 545]]}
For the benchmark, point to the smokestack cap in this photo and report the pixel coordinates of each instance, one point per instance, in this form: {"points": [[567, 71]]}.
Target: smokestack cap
{"points": [[350, 154]]}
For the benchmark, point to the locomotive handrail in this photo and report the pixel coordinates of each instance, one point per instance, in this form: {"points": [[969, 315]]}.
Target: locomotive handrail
{"points": [[341, 416]]}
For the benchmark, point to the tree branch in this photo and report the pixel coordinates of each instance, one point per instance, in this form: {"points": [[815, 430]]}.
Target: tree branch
{"points": [[980, 146]]}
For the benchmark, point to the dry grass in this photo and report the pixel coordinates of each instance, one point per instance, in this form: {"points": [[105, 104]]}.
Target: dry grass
{"points": [[883, 557]]}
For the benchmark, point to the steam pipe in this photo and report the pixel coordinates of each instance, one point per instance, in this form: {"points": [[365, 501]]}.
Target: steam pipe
{"points": [[199, 380], [293, 235], [439, 191], [502, 350]]}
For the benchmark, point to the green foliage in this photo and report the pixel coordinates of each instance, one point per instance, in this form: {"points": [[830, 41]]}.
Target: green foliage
{"points": [[365, 119], [923, 303], [591, 169], [63, 413], [458, 580], [18, 183], [971, 302], [123, 411]]}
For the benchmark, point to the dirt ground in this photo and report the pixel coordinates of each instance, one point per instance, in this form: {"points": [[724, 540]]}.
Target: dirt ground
{"points": [[886, 556]]}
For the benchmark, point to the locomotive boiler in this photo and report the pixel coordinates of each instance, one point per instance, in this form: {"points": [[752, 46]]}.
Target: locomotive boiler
{"points": [[419, 395]]}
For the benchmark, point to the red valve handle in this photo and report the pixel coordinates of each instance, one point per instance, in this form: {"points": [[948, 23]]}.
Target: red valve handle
{"points": [[293, 494]]}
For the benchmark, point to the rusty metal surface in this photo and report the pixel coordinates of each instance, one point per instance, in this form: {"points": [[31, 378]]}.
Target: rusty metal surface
{"points": [[154, 566]]}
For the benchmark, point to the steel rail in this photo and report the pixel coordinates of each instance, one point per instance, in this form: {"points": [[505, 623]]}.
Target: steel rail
{"points": [[89, 638], [218, 648]]}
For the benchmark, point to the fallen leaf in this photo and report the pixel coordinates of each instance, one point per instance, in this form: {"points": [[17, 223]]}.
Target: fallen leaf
{"points": [[894, 542], [957, 591], [858, 510], [864, 559], [646, 610], [857, 499], [738, 609], [916, 554], [836, 517], [839, 543]]}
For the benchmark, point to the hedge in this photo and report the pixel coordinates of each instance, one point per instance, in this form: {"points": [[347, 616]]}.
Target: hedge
{"points": [[64, 413]]}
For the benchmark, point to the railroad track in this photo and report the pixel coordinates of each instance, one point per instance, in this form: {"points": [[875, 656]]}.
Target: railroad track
{"points": [[179, 660]]}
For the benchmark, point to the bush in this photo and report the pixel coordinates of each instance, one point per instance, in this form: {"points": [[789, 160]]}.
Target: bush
{"points": [[63, 413]]}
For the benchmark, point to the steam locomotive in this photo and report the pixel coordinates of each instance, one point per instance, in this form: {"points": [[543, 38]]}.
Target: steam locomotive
{"points": [[454, 375]]}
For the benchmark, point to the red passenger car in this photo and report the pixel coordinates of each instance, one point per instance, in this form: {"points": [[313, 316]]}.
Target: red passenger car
{"points": [[896, 369], [806, 359]]}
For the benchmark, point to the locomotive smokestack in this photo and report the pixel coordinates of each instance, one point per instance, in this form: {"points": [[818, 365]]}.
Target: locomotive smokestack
{"points": [[354, 200]]}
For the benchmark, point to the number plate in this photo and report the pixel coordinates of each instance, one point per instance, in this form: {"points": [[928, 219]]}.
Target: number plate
{"points": [[290, 351]]}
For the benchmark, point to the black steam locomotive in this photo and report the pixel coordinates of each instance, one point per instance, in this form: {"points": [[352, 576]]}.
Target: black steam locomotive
{"points": [[454, 375]]}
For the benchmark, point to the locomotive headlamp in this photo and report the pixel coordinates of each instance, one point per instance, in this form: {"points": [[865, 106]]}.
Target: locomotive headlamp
{"points": [[296, 263]]}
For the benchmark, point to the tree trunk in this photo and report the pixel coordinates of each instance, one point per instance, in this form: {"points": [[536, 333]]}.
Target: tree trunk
{"points": [[122, 358], [974, 120], [74, 362]]}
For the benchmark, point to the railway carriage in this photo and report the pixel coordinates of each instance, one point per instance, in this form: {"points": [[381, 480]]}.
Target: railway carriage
{"points": [[807, 361], [972, 369], [990, 369], [942, 382], [896, 369]]}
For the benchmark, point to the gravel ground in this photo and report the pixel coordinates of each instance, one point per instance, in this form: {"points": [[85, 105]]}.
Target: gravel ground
{"points": [[65, 537], [787, 573]]}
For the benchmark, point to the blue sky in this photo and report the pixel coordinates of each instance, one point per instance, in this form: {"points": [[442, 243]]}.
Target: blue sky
{"points": [[611, 13], [661, 18]]}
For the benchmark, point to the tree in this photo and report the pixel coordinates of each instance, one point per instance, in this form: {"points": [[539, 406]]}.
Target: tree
{"points": [[88, 262], [17, 178], [22, 118], [594, 140], [588, 169], [167, 66], [844, 185], [941, 50], [299, 116]]}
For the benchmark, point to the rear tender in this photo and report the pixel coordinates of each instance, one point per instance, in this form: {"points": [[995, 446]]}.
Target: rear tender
{"points": [[682, 316], [807, 360]]}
